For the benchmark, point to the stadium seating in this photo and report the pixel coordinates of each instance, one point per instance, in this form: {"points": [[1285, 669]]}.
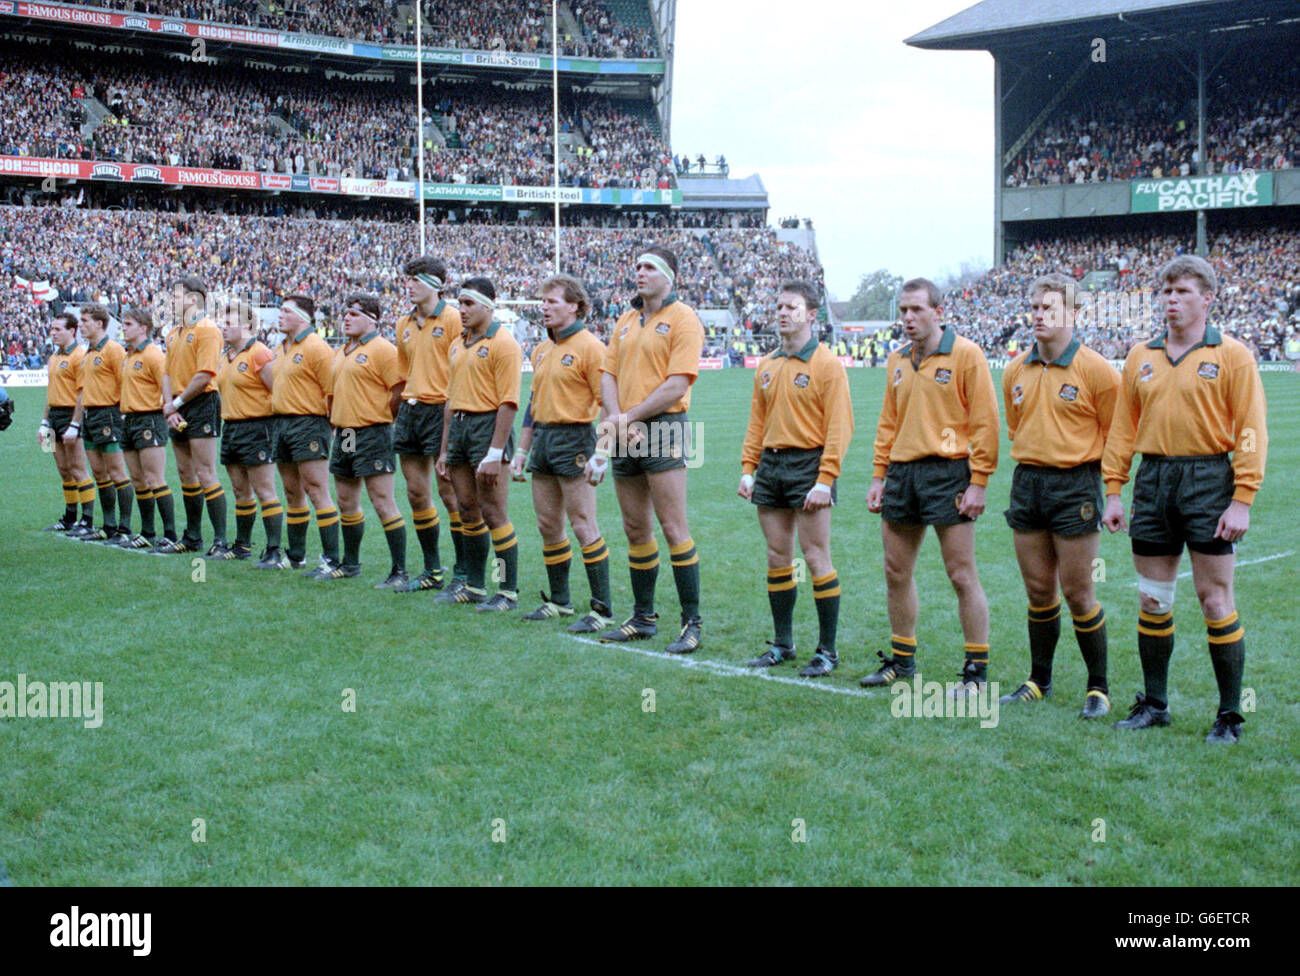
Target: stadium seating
{"points": [[621, 29]]}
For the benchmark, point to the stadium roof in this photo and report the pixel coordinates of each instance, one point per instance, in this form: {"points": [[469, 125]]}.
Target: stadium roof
{"points": [[713, 191], [992, 22]]}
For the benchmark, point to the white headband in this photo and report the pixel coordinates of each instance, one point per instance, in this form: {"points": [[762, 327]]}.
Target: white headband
{"points": [[477, 296], [293, 309], [656, 261], [431, 280], [360, 311]]}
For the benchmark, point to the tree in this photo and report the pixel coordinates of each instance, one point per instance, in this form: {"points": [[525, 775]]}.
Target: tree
{"points": [[874, 299]]}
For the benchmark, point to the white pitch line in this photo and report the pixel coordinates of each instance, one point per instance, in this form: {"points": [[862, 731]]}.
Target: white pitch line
{"points": [[1248, 562], [727, 670]]}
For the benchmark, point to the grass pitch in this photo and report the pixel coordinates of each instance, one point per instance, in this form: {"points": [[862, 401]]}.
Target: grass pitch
{"points": [[496, 751]]}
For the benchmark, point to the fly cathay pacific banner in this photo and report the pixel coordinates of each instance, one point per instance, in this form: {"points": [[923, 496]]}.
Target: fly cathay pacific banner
{"points": [[1246, 189]]}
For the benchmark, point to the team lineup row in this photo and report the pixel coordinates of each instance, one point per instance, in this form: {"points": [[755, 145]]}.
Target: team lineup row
{"points": [[442, 401]]}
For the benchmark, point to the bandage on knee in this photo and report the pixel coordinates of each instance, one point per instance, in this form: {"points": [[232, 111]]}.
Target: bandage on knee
{"points": [[1159, 591]]}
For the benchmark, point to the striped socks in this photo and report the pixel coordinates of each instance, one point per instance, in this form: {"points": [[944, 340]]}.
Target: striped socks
{"points": [[1228, 655], [685, 561], [354, 527], [327, 521], [166, 504], [782, 591], [558, 557], [826, 593], [1044, 632], [192, 496], [395, 536], [643, 564], [245, 516], [505, 543], [272, 522], [215, 496], [476, 545], [1155, 648], [1090, 632], [595, 560], [426, 533]]}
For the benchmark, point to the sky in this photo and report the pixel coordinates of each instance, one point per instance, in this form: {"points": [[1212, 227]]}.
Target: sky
{"points": [[888, 148]]}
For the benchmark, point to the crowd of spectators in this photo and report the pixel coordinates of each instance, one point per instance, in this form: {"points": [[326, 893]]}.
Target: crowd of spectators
{"points": [[122, 257], [510, 25], [223, 117], [1106, 132], [1258, 300]]}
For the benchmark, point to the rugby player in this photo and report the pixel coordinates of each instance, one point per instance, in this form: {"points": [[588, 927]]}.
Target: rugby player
{"points": [[144, 430], [245, 383], [1059, 398], [423, 337], [99, 390], [555, 442], [936, 448], [477, 444], [301, 383], [800, 425], [652, 360], [60, 400], [1189, 398], [364, 375], [192, 407]]}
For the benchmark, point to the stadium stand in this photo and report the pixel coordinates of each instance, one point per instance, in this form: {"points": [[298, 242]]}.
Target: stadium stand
{"points": [[176, 113], [616, 30]]}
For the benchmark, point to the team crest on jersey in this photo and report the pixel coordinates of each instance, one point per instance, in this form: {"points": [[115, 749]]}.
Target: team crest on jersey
{"points": [[765, 379], [1069, 393], [483, 352], [63, 365], [1208, 370], [98, 360], [801, 380], [297, 357], [1017, 393], [622, 332], [1145, 372], [663, 328], [942, 376], [1087, 511], [437, 331], [137, 365], [361, 360], [406, 336], [566, 359], [898, 375], [190, 337], [242, 367]]}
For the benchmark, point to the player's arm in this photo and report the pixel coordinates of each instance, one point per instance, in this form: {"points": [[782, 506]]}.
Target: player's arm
{"points": [[525, 443], [982, 411], [265, 372], [1105, 394], [1010, 408], [1250, 448], [1117, 457], [74, 426], [751, 450], [404, 369], [837, 422], [886, 431], [507, 363]]}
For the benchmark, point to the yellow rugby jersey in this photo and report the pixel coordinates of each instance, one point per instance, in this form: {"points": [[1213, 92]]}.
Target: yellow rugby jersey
{"points": [[192, 349], [422, 351], [302, 374], [100, 376], [243, 394], [365, 372], [944, 406], [142, 373], [643, 353], [1058, 413], [65, 370], [800, 401], [566, 377], [485, 373], [1209, 402]]}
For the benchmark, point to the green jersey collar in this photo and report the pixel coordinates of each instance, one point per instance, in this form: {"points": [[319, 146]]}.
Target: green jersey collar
{"points": [[806, 353], [569, 330], [1064, 359], [304, 333], [1212, 338]]}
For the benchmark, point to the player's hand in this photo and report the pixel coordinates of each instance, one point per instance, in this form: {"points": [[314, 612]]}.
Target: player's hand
{"points": [[71, 435], [595, 469], [174, 419], [972, 501], [440, 466], [517, 466], [876, 495], [44, 431], [487, 472], [1113, 519], [818, 497], [746, 488], [1234, 522]]}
